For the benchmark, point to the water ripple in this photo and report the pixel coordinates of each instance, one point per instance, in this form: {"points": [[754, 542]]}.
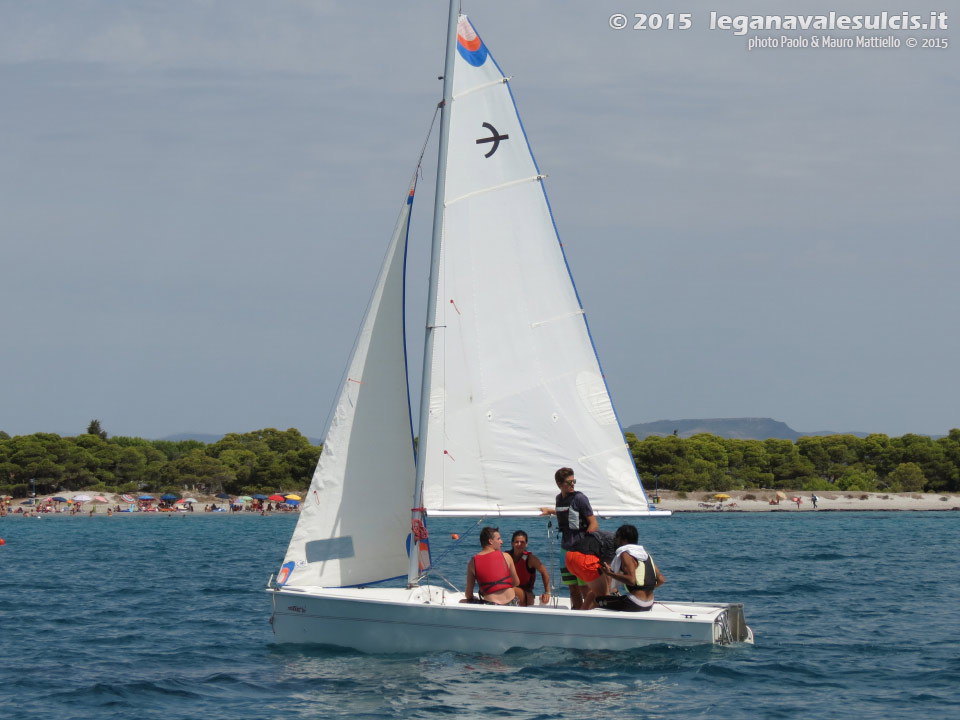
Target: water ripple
{"points": [[166, 618]]}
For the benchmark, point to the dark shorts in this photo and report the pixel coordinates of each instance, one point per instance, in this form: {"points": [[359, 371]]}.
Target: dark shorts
{"points": [[620, 603]]}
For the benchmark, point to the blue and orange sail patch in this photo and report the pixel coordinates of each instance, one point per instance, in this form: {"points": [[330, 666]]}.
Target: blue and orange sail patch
{"points": [[469, 44]]}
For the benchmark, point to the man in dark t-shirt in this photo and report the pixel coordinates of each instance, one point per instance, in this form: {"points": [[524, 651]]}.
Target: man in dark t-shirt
{"points": [[576, 521]]}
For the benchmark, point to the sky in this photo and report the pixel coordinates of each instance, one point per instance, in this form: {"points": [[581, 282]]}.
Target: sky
{"points": [[195, 196]]}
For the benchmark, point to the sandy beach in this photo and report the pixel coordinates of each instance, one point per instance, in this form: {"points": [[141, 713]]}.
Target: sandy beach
{"points": [[760, 501], [698, 501], [114, 500]]}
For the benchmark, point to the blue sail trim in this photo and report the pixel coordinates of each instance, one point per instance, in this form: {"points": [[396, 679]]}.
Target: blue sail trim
{"points": [[372, 582], [406, 366]]}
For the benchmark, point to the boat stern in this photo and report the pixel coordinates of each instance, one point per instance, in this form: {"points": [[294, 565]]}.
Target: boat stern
{"points": [[731, 627]]}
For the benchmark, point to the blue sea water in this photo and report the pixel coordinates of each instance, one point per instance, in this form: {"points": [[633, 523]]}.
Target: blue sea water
{"points": [[855, 615]]}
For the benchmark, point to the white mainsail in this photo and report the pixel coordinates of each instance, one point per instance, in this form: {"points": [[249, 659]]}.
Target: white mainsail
{"points": [[516, 389], [355, 518]]}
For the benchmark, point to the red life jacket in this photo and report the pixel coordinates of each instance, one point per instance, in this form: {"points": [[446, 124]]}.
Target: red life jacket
{"points": [[493, 573], [527, 576]]}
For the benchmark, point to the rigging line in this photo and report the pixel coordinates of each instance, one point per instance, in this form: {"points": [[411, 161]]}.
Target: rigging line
{"points": [[554, 564], [443, 577], [426, 140], [463, 536]]}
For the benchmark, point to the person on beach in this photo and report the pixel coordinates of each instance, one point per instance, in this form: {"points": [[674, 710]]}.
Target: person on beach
{"points": [[814, 499], [493, 570], [527, 565], [634, 567]]}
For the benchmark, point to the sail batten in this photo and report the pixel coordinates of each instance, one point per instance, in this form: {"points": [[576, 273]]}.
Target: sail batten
{"points": [[466, 92], [532, 178]]}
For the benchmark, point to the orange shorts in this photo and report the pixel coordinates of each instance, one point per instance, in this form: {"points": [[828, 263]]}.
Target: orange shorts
{"points": [[585, 567]]}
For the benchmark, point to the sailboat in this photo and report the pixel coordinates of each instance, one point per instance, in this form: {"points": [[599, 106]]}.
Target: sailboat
{"points": [[511, 390]]}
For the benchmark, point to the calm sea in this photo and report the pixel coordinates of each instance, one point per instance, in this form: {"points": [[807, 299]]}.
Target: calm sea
{"points": [[855, 615]]}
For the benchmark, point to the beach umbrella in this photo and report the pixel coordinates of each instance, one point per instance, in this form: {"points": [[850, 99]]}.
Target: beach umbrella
{"points": [[276, 498], [189, 500], [781, 495], [722, 496], [258, 496], [293, 497], [57, 499], [292, 502], [127, 498], [244, 498], [27, 502], [100, 498], [82, 498], [168, 496], [180, 501], [146, 497], [222, 496]]}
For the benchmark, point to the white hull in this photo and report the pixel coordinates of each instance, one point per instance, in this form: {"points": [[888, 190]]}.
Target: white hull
{"points": [[431, 619]]}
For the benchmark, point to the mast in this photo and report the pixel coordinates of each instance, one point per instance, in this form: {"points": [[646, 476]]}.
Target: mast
{"points": [[413, 572]]}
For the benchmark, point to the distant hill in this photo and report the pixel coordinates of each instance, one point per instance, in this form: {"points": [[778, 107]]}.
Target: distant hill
{"points": [[734, 428], [209, 439]]}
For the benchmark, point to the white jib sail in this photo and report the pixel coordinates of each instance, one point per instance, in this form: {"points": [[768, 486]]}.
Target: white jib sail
{"points": [[355, 518], [516, 389]]}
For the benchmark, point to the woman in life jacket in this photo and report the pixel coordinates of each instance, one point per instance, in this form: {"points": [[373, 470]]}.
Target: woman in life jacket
{"points": [[528, 565], [494, 572], [634, 567]]}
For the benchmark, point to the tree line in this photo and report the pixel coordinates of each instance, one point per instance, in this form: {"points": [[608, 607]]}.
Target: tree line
{"points": [[876, 463], [262, 461], [270, 460]]}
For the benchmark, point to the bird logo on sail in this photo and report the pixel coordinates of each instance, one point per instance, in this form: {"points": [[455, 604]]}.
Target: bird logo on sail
{"points": [[469, 44], [495, 138]]}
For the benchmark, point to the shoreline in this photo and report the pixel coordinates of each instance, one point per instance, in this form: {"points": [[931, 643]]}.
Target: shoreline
{"points": [[749, 501], [828, 501]]}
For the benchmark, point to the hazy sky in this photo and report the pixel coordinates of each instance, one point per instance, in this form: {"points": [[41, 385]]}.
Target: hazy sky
{"points": [[195, 196]]}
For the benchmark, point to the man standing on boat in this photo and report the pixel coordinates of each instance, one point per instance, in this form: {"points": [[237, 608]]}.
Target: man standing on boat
{"points": [[493, 570], [579, 537], [574, 513], [527, 565]]}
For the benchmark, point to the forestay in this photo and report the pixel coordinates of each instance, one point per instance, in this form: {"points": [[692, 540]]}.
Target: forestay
{"points": [[516, 389], [365, 476]]}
